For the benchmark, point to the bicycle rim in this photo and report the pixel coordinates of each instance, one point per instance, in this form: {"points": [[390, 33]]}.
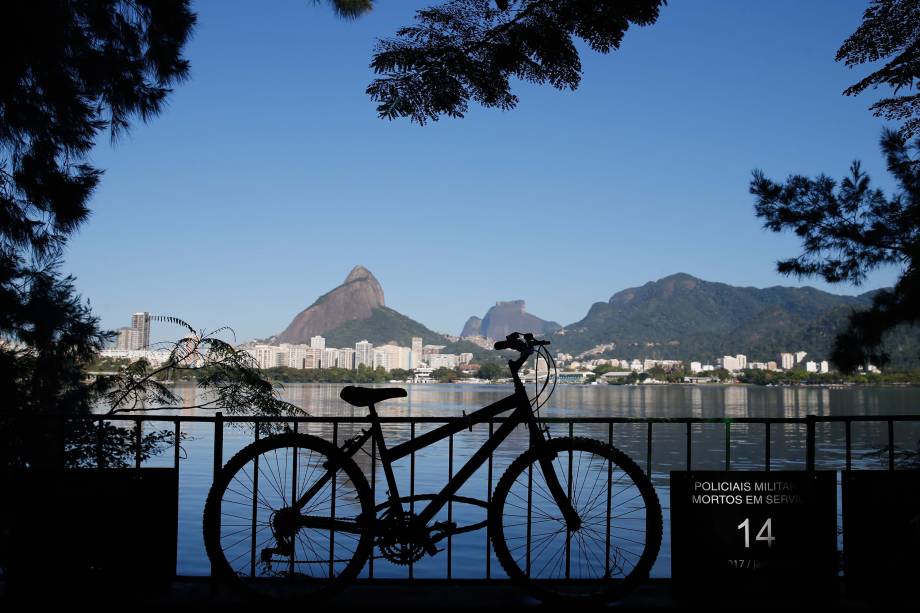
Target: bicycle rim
{"points": [[612, 550], [258, 545]]}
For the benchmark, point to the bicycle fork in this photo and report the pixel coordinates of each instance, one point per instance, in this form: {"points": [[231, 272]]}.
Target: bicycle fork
{"points": [[560, 496]]}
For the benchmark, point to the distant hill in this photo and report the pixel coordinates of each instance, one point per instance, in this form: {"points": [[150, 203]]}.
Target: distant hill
{"points": [[505, 318], [677, 317], [355, 311], [683, 317]]}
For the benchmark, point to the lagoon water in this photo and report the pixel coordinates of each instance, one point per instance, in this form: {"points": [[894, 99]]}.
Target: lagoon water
{"points": [[468, 551]]}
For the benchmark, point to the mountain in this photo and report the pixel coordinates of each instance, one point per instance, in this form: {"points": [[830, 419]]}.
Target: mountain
{"points": [[683, 317], [505, 318], [354, 300], [354, 311]]}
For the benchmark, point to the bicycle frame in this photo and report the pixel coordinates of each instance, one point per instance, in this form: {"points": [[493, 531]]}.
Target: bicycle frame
{"points": [[522, 414]]}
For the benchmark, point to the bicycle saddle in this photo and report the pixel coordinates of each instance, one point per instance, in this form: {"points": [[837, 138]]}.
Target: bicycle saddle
{"points": [[365, 396]]}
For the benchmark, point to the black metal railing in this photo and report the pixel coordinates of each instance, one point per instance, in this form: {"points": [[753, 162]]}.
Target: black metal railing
{"points": [[693, 427]]}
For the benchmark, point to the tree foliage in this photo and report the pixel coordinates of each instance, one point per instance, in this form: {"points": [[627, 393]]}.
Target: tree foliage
{"points": [[230, 379], [465, 50], [72, 69], [848, 229], [890, 33]]}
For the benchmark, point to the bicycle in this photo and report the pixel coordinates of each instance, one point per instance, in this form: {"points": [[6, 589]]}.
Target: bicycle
{"points": [[571, 518]]}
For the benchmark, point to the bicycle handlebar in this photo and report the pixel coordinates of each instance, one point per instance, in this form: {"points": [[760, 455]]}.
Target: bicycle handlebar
{"points": [[523, 343]]}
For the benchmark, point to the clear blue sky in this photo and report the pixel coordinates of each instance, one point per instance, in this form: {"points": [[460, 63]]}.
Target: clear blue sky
{"points": [[269, 176]]}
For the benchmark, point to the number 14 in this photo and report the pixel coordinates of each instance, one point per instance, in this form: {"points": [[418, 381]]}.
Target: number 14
{"points": [[765, 534]]}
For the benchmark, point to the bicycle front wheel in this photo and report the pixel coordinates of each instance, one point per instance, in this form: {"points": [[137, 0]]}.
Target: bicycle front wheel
{"points": [[602, 559], [289, 517]]}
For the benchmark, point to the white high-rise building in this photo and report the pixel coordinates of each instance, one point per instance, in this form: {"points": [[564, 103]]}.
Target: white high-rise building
{"points": [[124, 339], [297, 354], [811, 366], [345, 358], [264, 355], [329, 356], [318, 342], [364, 353], [442, 360], [742, 361], [139, 334], [313, 358], [416, 356], [785, 360], [799, 356], [696, 366], [824, 366]]}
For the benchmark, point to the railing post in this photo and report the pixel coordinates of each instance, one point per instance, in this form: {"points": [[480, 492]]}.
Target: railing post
{"points": [[728, 444], [766, 445], [218, 462], [137, 443], [810, 442], [489, 500], [218, 443], [100, 454], [849, 443], [890, 444], [648, 450]]}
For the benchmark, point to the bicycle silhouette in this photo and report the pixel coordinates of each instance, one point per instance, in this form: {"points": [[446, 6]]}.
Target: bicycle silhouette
{"points": [[292, 515]]}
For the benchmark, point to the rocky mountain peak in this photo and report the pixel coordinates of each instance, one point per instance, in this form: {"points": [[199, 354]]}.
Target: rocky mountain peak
{"points": [[355, 299]]}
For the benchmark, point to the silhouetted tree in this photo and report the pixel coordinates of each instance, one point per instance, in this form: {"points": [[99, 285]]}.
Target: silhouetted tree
{"points": [[71, 69], [890, 33], [848, 229], [466, 50]]}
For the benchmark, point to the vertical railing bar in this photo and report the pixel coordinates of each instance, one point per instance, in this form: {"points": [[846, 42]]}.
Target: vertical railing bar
{"points": [[810, 442], [450, 503], [332, 483], [294, 492], [218, 461], [218, 443], [890, 444], [529, 513], [255, 505], [489, 501], [766, 445], [648, 450], [609, 505], [370, 568], [177, 434], [689, 444], [849, 443], [177, 437], [412, 489], [568, 532], [100, 456], [137, 443], [728, 444]]}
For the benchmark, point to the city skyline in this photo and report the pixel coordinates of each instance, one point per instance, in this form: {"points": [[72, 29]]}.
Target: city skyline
{"points": [[766, 93]]}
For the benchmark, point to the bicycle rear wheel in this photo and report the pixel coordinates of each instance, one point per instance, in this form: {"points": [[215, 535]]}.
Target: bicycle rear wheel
{"points": [[261, 545], [612, 550]]}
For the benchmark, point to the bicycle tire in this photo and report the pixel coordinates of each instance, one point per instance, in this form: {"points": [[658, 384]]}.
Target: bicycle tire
{"points": [[530, 560], [304, 578]]}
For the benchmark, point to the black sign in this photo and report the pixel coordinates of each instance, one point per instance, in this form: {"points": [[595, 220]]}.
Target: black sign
{"points": [[773, 531], [881, 532]]}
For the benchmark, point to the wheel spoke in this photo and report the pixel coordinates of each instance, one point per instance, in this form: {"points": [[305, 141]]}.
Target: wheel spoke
{"points": [[610, 495]]}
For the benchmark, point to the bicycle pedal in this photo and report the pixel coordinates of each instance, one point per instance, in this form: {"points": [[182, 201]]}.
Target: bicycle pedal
{"points": [[444, 525]]}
